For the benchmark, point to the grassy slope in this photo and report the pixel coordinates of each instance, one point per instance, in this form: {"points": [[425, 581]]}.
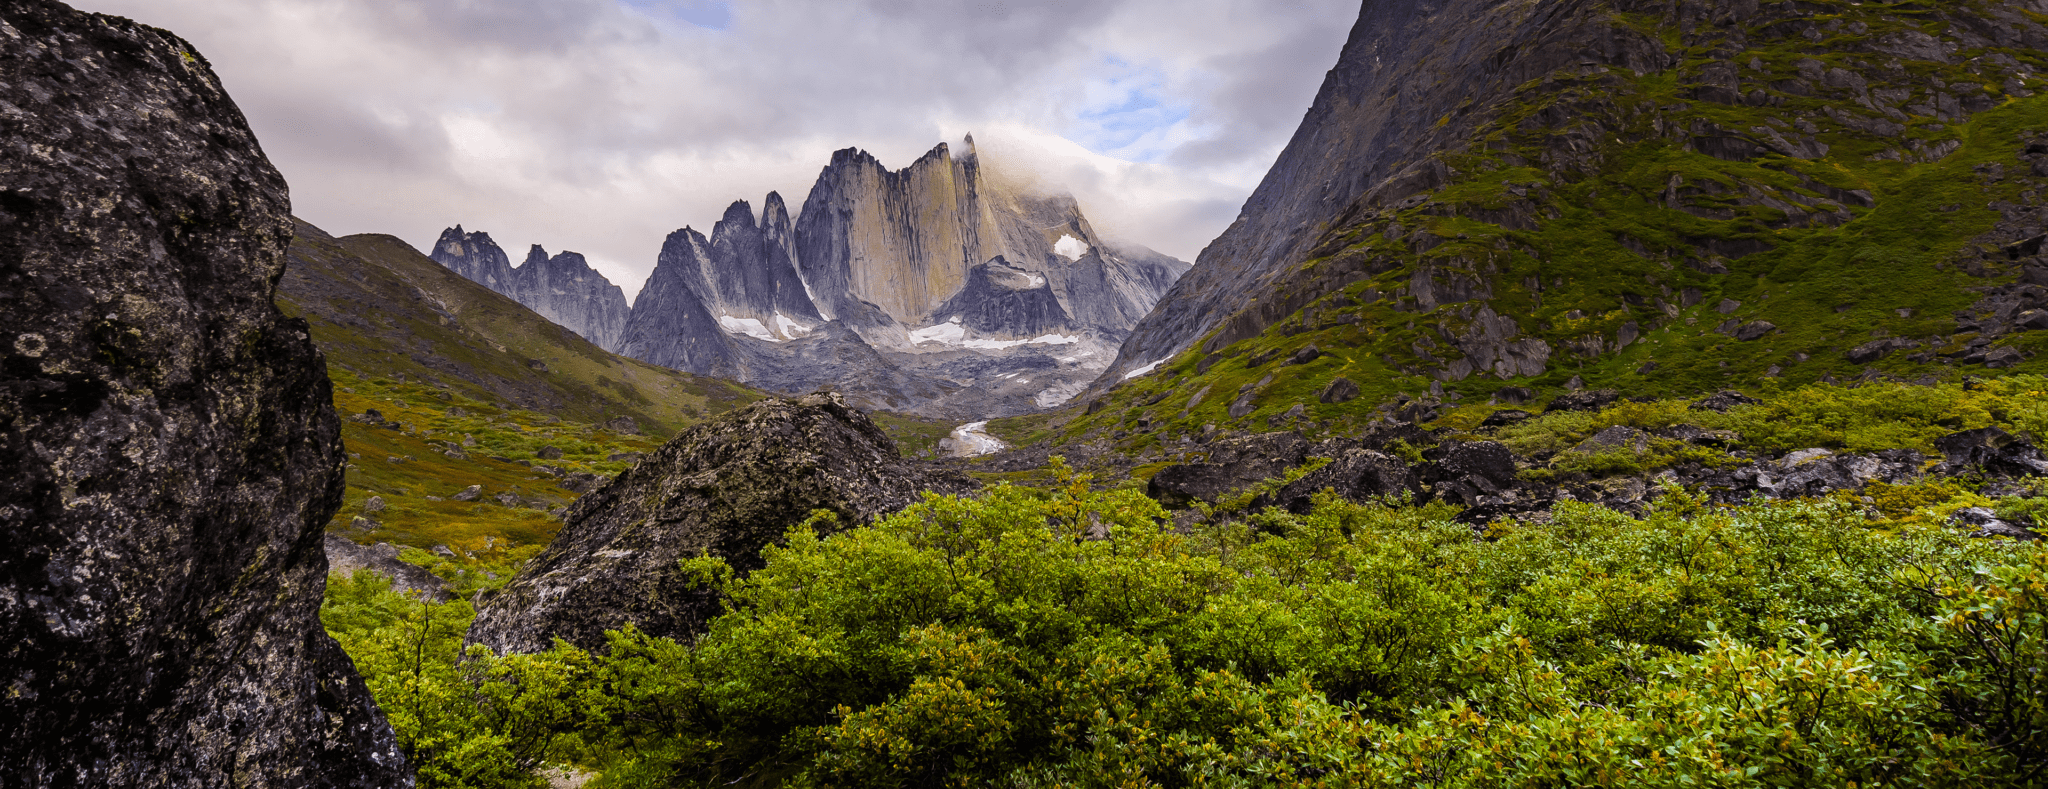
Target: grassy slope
{"points": [[1606, 245], [409, 338]]}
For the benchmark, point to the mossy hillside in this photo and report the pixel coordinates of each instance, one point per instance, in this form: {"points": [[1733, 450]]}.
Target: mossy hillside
{"points": [[379, 308], [411, 471], [1583, 215], [915, 436]]}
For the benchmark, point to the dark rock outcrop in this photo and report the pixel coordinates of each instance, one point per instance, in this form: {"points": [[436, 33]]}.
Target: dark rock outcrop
{"points": [[1359, 475], [1004, 302], [1464, 473], [724, 488], [169, 451], [1232, 465], [1990, 451], [1807, 472], [1583, 401], [1723, 400]]}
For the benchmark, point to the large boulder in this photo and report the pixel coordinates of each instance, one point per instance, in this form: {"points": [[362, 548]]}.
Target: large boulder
{"points": [[726, 488], [1358, 475], [1466, 473], [1232, 465], [1990, 451], [169, 451]]}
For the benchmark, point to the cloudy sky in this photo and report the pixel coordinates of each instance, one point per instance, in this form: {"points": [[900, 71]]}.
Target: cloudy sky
{"points": [[598, 126]]}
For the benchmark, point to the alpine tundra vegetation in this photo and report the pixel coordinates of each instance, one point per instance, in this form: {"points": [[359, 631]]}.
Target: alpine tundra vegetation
{"points": [[1594, 393]]}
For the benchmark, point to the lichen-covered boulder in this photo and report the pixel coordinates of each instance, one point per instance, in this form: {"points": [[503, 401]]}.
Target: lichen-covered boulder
{"points": [[169, 452], [1232, 465], [725, 488]]}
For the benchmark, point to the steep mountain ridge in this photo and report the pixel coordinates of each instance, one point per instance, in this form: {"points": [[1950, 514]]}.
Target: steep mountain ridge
{"points": [[379, 308], [932, 288], [1507, 199], [562, 288]]}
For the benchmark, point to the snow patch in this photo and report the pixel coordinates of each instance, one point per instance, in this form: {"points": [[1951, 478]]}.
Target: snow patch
{"points": [[972, 440], [784, 327], [746, 326], [949, 333], [789, 328], [1070, 247], [1143, 370], [954, 334]]}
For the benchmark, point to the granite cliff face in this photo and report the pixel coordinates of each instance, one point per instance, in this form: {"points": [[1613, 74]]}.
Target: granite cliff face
{"points": [[169, 452], [1002, 301], [563, 288], [476, 256], [566, 290], [725, 488], [1505, 200], [929, 289]]}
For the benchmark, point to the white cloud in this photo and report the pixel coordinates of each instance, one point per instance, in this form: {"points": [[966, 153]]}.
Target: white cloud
{"points": [[598, 126]]}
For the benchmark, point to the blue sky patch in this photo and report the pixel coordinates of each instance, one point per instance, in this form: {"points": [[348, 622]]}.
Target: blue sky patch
{"points": [[1127, 112], [713, 14]]}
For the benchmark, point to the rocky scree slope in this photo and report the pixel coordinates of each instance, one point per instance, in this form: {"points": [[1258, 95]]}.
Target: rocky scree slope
{"points": [[563, 288], [167, 440], [1501, 469], [1509, 199], [725, 488]]}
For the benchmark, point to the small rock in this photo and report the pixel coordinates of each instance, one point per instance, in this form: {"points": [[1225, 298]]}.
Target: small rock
{"points": [[1985, 523], [468, 440], [1727, 306], [471, 493], [375, 504], [1341, 390], [456, 411], [1720, 402], [1583, 401], [1754, 330], [1298, 411], [1506, 417], [2000, 358], [2032, 320], [549, 453], [1305, 355], [1878, 349], [624, 424], [1614, 438], [1804, 456]]}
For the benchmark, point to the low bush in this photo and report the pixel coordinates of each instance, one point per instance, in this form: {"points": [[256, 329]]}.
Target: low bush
{"points": [[994, 641]]}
